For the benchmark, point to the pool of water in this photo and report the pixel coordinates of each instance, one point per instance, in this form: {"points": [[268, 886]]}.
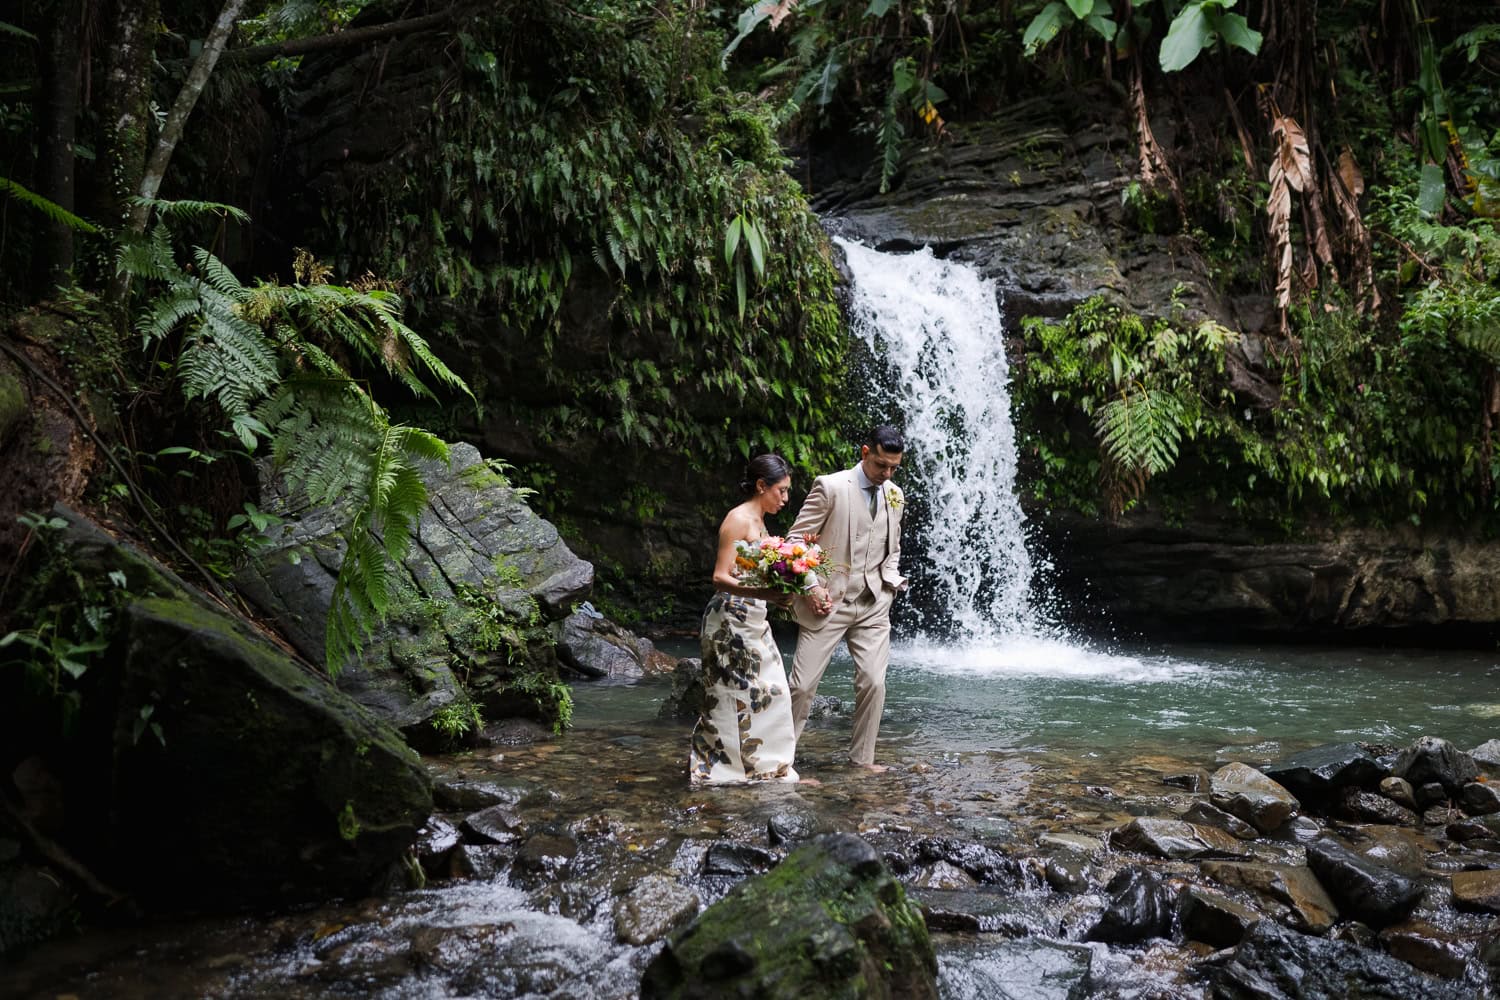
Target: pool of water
{"points": [[1070, 699]]}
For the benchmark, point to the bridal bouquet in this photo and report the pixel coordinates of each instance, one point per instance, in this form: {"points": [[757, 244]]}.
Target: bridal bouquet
{"points": [[787, 565]]}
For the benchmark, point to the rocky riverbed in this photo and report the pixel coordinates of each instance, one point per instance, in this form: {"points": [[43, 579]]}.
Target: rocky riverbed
{"points": [[562, 867]]}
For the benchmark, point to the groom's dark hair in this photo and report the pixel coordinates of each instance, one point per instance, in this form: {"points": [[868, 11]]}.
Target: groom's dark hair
{"points": [[886, 438]]}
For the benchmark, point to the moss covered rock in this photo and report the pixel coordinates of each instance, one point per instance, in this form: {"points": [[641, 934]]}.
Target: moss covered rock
{"points": [[829, 921]]}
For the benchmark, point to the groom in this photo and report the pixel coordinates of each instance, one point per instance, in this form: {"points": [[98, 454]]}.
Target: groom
{"points": [[856, 515]]}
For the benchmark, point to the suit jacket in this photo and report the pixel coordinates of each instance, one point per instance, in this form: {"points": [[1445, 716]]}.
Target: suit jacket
{"points": [[830, 510]]}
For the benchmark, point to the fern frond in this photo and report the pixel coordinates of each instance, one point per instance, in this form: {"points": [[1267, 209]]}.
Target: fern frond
{"points": [[218, 276], [47, 207], [1141, 430], [185, 208]]}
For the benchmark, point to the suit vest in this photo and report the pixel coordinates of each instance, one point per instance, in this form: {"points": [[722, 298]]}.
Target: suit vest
{"points": [[871, 536]]}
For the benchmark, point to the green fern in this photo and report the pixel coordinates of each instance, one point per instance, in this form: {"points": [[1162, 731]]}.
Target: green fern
{"points": [[1141, 430], [269, 356], [50, 209]]}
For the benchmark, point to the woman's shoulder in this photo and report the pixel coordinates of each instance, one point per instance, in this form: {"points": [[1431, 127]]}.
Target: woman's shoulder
{"points": [[738, 522]]}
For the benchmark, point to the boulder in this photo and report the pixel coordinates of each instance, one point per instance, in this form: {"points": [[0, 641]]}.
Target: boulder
{"points": [[1243, 791], [655, 907], [1362, 889], [686, 699], [984, 911], [985, 864], [1480, 799], [736, 859], [830, 921], [1297, 887], [1214, 918], [1016, 969], [34, 905], [1486, 757], [1429, 948], [1274, 963], [596, 648], [1317, 776], [1368, 807], [1139, 908], [790, 824], [1205, 814], [1399, 791], [479, 587], [1433, 759], [1478, 890], [1170, 838]]}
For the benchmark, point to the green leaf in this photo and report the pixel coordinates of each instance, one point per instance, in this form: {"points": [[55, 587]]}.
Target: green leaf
{"points": [[1432, 191], [1186, 37], [748, 21], [878, 8], [1081, 8], [739, 288], [732, 238], [1102, 26], [1043, 28], [1235, 30], [757, 244], [49, 208]]}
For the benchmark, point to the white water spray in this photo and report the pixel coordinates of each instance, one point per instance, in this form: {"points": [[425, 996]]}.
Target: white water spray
{"points": [[935, 325]]}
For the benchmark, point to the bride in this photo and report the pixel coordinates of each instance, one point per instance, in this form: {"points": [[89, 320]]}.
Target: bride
{"points": [[745, 732]]}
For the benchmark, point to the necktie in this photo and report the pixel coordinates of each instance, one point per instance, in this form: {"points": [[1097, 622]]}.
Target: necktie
{"points": [[874, 492]]}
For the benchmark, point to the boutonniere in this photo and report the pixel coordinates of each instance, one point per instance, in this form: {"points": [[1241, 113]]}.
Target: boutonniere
{"points": [[894, 500]]}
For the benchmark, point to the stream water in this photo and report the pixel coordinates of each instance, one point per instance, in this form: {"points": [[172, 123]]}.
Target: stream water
{"points": [[1001, 729]]}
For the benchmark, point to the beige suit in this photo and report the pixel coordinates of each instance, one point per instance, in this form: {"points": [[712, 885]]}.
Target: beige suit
{"points": [[862, 556]]}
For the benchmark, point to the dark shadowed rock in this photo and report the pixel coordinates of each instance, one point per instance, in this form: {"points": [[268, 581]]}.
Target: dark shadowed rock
{"points": [[983, 911], [1369, 807], [1361, 888], [1297, 887], [1434, 759], [736, 859], [1316, 776], [791, 824], [1214, 918], [829, 922], [1242, 791], [1171, 838], [1193, 781], [435, 843], [34, 905], [499, 824], [985, 864], [1480, 799], [1430, 793], [1274, 963], [1399, 791], [1430, 948], [1139, 908], [654, 908], [685, 700], [1067, 872], [1207, 814], [546, 853]]}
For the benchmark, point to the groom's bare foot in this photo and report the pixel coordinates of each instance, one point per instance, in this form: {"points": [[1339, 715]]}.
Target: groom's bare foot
{"points": [[810, 782], [872, 768]]}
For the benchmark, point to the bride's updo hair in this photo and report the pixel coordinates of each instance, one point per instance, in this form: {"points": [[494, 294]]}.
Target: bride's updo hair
{"points": [[768, 467]]}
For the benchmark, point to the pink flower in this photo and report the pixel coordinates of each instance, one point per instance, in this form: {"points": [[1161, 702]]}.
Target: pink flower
{"points": [[799, 566]]}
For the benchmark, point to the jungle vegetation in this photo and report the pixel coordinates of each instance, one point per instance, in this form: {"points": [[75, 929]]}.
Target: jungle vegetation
{"points": [[630, 161]]}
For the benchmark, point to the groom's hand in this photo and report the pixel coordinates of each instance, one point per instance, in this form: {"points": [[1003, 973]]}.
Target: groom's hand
{"points": [[822, 601]]}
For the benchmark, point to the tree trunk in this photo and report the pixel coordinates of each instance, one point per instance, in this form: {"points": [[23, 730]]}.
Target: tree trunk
{"points": [[187, 98], [124, 109], [60, 68]]}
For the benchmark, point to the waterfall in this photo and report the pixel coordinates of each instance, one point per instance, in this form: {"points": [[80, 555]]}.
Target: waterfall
{"points": [[934, 327]]}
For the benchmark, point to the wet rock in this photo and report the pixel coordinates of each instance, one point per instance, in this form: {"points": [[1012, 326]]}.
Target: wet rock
{"points": [[594, 646], [791, 825], [1205, 814], [435, 842], [1214, 918], [1369, 807], [985, 864], [1274, 963], [1480, 828], [1440, 815], [548, 853], [1170, 838], [1243, 791], [984, 911], [1429, 948], [477, 861], [1301, 829], [1477, 890], [1430, 793], [1355, 933], [1020, 969], [686, 699], [571, 899], [736, 859], [469, 795], [942, 875], [1434, 759], [1361, 888], [514, 732], [1193, 781], [1139, 908], [1085, 845], [542, 955], [656, 907], [1067, 873], [1399, 791], [1394, 847], [499, 824], [825, 706], [34, 905], [1316, 776], [1311, 908], [1480, 799], [829, 921], [1486, 757]]}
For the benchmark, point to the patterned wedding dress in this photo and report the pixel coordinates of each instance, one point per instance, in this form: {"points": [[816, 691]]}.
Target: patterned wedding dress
{"points": [[745, 732]]}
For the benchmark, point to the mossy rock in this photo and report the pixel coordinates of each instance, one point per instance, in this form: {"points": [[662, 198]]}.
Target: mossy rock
{"points": [[830, 921]]}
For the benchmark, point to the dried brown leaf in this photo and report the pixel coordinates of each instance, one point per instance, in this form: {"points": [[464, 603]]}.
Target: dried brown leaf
{"points": [[780, 12]]}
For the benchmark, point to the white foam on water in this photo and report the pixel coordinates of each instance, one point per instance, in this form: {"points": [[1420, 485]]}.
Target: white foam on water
{"points": [[1041, 656]]}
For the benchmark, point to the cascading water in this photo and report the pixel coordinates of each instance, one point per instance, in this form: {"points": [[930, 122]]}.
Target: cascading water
{"points": [[934, 326]]}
